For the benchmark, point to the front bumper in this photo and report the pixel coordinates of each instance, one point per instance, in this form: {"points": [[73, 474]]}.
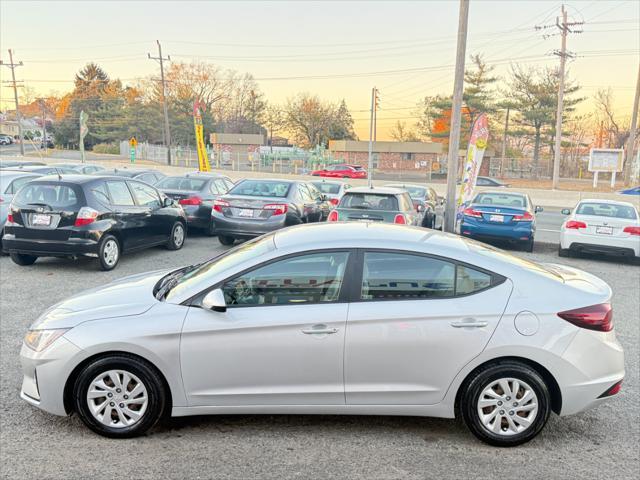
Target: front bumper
{"points": [[247, 228], [50, 248], [627, 246], [44, 375]]}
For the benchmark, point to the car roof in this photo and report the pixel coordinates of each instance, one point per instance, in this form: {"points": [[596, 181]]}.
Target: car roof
{"points": [[77, 178], [404, 185], [74, 164], [605, 200], [284, 180], [9, 173], [502, 192], [379, 190], [332, 182], [131, 171]]}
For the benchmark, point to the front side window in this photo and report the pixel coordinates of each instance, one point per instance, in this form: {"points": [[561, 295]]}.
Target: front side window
{"points": [[145, 195], [310, 278], [120, 193]]}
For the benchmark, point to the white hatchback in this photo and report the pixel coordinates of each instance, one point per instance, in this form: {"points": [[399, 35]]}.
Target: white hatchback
{"points": [[601, 226]]}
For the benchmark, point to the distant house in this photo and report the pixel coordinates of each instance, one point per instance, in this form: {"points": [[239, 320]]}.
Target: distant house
{"points": [[229, 148], [417, 156]]}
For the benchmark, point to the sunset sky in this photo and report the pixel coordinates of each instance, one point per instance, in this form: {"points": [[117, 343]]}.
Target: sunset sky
{"points": [[333, 49]]}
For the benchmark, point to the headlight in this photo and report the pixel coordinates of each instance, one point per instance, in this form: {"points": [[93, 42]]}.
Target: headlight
{"points": [[38, 340]]}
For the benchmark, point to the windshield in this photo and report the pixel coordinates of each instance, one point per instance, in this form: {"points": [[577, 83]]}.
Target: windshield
{"points": [[607, 210], [501, 200], [261, 188], [203, 276], [181, 183], [330, 188], [369, 201]]}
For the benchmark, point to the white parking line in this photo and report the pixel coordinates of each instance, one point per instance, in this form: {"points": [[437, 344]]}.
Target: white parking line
{"points": [[547, 230]]}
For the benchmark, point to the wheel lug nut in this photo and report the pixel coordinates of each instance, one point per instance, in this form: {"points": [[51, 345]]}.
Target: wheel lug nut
{"points": [[515, 404], [122, 406], [126, 397], [508, 398], [511, 412], [109, 395], [118, 391], [111, 404], [499, 403], [501, 412]]}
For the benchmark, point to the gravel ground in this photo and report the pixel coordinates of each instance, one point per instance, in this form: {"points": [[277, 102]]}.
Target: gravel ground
{"points": [[600, 443]]}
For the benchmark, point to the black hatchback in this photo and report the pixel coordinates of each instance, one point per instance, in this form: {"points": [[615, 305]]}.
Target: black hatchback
{"points": [[101, 217]]}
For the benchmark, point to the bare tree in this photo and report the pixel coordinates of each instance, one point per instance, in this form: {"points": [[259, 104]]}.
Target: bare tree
{"points": [[617, 134], [401, 133]]}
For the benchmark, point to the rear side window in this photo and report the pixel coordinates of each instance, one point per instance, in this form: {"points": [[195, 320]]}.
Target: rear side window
{"points": [[329, 188], [120, 193], [401, 276], [150, 178], [145, 195], [369, 201], [54, 195], [221, 185], [99, 192]]}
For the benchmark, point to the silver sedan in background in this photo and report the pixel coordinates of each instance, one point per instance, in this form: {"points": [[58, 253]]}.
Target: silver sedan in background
{"points": [[333, 318]]}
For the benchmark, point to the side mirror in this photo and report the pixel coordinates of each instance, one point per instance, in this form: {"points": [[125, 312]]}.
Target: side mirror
{"points": [[167, 202], [419, 208], [539, 209], [214, 300], [565, 211]]}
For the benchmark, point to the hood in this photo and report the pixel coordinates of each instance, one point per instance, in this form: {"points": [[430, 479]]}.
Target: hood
{"points": [[126, 297]]}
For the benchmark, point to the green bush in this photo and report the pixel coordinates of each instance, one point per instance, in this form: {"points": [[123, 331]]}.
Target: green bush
{"points": [[106, 148]]}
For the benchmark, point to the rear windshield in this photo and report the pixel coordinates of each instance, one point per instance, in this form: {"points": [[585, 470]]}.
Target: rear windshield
{"points": [[330, 188], [500, 199], [607, 210], [261, 188], [369, 201], [181, 183], [54, 195]]}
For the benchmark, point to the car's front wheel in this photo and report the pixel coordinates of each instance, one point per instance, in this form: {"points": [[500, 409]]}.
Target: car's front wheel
{"points": [[119, 396], [505, 404]]}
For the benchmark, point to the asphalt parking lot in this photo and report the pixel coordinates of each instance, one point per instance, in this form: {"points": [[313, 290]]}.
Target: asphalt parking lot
{"points": [[596, 444]]}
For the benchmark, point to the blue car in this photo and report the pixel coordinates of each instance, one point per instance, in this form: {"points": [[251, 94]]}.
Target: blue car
{"points": [[631, 191], [501, 216]]}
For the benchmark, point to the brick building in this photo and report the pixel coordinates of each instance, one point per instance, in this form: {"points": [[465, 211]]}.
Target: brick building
{"points": [[388, 156], [232, 148]]}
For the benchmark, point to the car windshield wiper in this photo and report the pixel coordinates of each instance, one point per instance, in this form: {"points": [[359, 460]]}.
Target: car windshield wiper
{"points": [[171, 280]]}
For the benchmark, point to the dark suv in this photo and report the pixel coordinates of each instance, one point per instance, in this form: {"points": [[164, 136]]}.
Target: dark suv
{"points": [[94, 216]]}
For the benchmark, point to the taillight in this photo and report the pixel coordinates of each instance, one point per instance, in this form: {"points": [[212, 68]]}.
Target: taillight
{"points": [[333, 216], [218, 205], [85, 216], [195, 200], [334, 201], [574, 224], [526, 217], [470, 212], [276, 208], [612, 390], [10, 218], [595, 317], [400, 219], [632, 230]]}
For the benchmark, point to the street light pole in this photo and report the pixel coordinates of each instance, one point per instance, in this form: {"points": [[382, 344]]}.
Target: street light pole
{"points": [[456, 117]]}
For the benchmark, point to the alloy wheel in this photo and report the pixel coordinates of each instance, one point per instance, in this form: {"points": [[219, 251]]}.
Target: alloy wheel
{"points": [[507, 406], [117, 398], [178, 235], [110, 252]]}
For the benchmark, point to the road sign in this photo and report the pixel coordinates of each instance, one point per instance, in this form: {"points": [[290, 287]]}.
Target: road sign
{"points": [[133, 143]]}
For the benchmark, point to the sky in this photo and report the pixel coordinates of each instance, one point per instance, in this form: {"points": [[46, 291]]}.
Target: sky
{"points": [[337, 50]]}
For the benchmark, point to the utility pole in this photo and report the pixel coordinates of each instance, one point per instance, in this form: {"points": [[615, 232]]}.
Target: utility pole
{"points": [[563, 54], [456, 114], [628, 170], [374, 103], [167, 133], [44, 125], [13, 66]]}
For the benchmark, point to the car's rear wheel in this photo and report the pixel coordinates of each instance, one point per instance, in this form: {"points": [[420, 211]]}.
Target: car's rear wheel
{"points": [[119, 396], [109, 252], [505, 404], [564, 252], [528, 246], [226, 240], [23, 259], [211, 229], [177, 236]]}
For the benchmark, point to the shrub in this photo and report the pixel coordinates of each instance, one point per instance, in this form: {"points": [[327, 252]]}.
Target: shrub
{"points": [[106, 148]]}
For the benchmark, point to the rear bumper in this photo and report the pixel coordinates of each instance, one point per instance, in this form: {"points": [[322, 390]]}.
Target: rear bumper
{"points": [[517, 233], [50, 248], [627, 246], [245, 228], [197, 216]]}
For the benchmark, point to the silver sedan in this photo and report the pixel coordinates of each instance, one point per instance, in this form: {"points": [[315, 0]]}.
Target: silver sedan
{"points": [[358, 318]]}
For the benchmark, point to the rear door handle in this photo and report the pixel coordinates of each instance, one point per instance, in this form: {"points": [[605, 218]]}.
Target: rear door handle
{"points": [[319, 329], [469, 323]]}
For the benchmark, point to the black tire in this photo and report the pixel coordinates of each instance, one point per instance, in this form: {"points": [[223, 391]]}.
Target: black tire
{"points": [[473, 388], [105, 258], [528, 246], [428, 221], [23, 259], [177, 236], [210, 231], [563, 252], [144, 371], [226, 240]]}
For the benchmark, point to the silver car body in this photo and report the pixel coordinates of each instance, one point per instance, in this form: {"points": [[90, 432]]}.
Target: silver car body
{"points": [[8, 188], [389, 357]]}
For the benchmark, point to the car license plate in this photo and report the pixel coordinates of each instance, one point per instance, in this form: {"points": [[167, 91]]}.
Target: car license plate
{"points": [[496, 218], [604, 230], [245, 213], [39, 219]]}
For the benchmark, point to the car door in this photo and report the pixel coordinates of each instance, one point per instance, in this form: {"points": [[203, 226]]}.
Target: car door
{"points": [[133, 219], [280, 340], [309, 207], [416, 322], [159, 220]]}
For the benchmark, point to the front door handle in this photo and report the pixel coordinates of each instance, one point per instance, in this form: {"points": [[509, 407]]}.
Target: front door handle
{"points": [[469, 323], [319, 329]]}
